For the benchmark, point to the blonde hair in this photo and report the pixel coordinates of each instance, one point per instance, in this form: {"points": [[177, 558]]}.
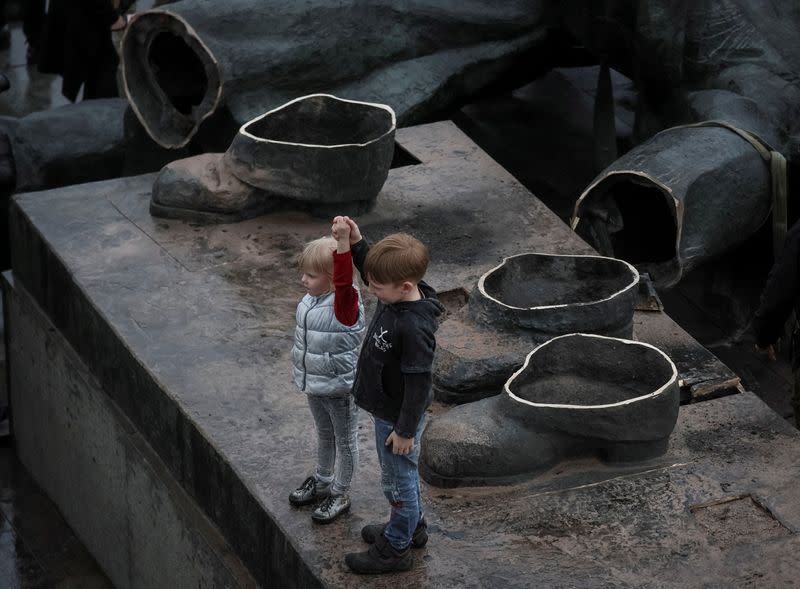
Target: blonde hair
{"points": [[317, 256], [396, 258]]}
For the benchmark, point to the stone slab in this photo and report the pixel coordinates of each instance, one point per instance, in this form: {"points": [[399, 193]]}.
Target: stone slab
{"points": [[188, 329], [106, 480]]}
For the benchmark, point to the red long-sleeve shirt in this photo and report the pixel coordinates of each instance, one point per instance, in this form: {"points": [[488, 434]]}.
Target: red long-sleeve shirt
{"points": [[345, 296]]}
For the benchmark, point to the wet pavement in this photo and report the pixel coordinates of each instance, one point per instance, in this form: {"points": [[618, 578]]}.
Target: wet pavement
{"points": [[37, 547], [204, 328]]}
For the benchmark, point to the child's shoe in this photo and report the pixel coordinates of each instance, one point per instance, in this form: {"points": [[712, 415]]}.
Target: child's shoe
{"points": [[309, 492], [331, 507], [381, 557], [371, 532]]}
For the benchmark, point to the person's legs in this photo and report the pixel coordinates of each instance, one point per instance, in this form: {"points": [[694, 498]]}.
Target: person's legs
{"points": [[5, 32], [318, 486], [344, 416], [326, 448], [101, 75], [400, 480], [419, 538], [421, 517], [390, 550], [32, 24]]}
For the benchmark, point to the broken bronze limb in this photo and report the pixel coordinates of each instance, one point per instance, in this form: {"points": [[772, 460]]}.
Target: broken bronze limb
{"points": [[316, 152], [671, 203], [84, 142], [687, 195], [182, 63]]}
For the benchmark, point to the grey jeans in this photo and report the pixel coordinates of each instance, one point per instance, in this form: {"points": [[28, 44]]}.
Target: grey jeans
{"points": [[337, 437]]}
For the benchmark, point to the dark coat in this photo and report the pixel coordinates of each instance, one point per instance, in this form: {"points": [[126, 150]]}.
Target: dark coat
{"points": [[394, 373], [76, 44], [781, 293]]}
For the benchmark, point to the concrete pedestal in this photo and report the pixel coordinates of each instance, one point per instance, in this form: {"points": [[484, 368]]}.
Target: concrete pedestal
{"points": [[185, 331], [113, 489]]}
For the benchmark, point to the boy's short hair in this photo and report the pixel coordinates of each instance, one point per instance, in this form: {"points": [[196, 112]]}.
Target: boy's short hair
{"points": [[396, 258], [317, 257]]}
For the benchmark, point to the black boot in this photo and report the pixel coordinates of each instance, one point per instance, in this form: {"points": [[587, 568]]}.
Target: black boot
{"points": [[381, 558], [418, 540]]}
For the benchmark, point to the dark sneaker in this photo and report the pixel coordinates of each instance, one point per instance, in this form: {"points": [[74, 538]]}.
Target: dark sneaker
{"points": [[380, 558], [309, 492], [371, 532], [331, 507]]}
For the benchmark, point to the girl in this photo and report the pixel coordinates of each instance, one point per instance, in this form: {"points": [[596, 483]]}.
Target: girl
{"points": [[330, 327]]}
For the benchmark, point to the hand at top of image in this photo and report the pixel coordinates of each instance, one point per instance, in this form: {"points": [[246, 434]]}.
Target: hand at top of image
{"points": [[355, 232], [343, 223], [340, 231]]}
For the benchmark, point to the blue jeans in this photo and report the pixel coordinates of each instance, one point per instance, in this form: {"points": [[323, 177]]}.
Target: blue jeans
{"points": [[400, 482]]}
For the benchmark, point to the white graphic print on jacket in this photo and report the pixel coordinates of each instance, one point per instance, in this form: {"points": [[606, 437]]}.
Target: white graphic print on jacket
{"points": [[379, 340]]}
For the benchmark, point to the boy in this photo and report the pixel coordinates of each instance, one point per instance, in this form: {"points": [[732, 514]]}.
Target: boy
{"points": [[393, 383]]}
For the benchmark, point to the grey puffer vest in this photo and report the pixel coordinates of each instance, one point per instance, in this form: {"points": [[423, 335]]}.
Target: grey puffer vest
{"points": [[325, 352]]}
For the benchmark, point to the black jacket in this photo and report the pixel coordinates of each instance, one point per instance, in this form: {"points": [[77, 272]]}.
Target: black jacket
{"points": [[781, 293], [393, 377], [76, 44]]}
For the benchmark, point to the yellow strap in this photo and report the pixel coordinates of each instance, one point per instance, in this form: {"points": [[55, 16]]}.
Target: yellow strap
{"points": [[779, 202]]}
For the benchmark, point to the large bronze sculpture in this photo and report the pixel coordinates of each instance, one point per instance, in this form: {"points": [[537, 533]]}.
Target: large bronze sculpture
{"points": [[234, 60], [195, 71], [692, 192]]}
